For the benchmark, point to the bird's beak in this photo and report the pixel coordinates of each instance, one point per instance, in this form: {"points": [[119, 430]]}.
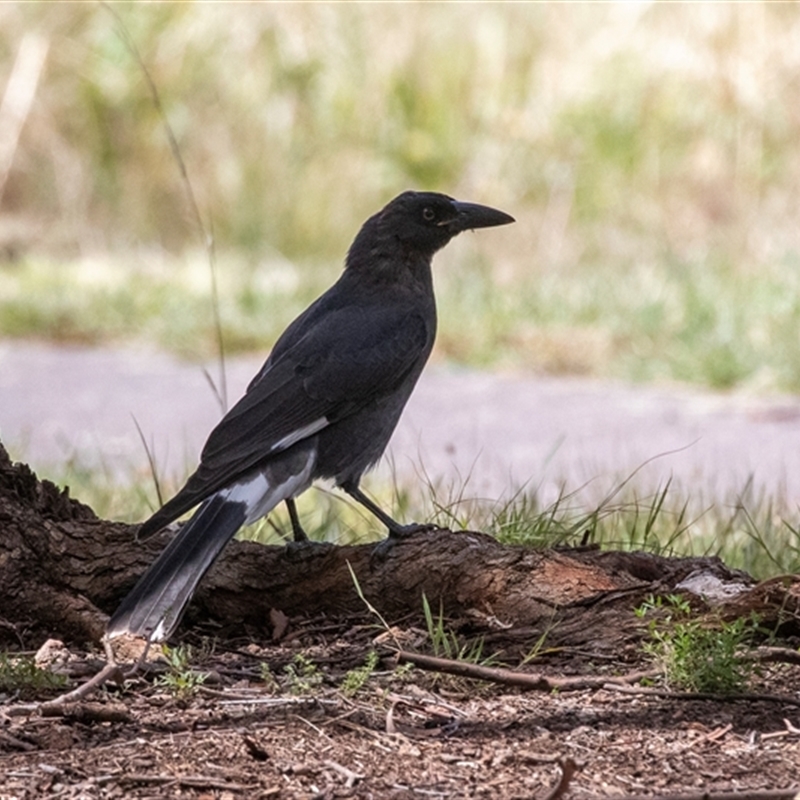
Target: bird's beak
{"points": [[471, 215]]}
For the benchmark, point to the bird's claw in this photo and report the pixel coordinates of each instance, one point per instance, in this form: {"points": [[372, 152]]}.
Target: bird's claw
{"points": [[404, 531], [297, 551], [397, 534]]}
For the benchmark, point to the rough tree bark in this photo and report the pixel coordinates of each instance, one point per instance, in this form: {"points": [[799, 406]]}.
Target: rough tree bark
{"points": [[62, 570]]}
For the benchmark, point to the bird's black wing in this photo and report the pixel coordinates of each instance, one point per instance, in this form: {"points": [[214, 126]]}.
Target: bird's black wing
{"points": [[349, 358]]}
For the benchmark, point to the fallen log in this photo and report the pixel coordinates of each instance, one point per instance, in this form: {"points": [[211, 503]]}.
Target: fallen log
{"points": [[63, 570]]}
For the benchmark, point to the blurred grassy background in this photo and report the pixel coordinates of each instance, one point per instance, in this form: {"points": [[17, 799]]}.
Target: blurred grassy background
{"points": [[649, 152]]}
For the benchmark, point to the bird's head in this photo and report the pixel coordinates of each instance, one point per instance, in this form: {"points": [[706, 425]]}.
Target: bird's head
{"points": [[424, 222]]}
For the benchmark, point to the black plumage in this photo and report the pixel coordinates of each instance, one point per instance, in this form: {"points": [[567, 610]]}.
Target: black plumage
{"points": [[324, 404]]}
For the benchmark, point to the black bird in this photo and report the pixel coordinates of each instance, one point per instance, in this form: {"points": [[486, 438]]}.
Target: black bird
{"points": [[324, 404]]}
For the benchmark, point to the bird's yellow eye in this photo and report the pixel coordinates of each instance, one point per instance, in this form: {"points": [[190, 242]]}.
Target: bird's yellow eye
{"points": [[428, 214]]}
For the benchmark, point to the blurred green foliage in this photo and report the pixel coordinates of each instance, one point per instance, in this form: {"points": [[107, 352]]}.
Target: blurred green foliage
{"points": [[648, 151]]}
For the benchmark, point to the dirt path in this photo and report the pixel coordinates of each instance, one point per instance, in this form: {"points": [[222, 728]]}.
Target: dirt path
{"points": [[499, 431]]}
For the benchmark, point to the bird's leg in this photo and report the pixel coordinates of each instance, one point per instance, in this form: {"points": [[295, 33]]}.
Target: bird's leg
{"points": [[299, 534], [396, 530]]}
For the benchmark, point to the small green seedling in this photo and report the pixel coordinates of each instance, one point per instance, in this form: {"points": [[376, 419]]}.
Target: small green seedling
{"points": [[180, 680], [357, 678], [699, 655], [20, 676], [302, 675]]}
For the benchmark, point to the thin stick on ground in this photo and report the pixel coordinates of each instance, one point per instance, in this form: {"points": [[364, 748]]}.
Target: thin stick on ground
{"points": [[66, 703], [526, 680], [71, 703], [724, 698], [757, 794], [351, 778], [110, 672], [568, 768], [778, 655]]}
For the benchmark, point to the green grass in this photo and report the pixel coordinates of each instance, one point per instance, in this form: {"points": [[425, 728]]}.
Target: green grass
{"points": [[167, 303], [668, 322], [748, 531], [21, 678], [699, 655], [446, 643], [180, 680]]}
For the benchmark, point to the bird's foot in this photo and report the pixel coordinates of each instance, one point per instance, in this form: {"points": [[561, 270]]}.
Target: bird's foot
{"points": [[404, 531], [396, 534], [300, 550]]}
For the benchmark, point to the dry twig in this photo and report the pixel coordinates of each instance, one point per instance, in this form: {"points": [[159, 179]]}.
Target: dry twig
{"points": [[568, 769], [789, 730], [351, 778], [185, 781], [780, 655], [711, 736], [752, 697], [110, 672], [86, 712], [507, 677], [756, 794], [69, 704]]}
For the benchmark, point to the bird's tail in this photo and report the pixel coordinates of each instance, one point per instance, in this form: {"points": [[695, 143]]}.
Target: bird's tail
{"points": [[156, 603]]}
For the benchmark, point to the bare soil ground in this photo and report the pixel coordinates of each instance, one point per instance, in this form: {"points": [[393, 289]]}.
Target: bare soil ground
{"points": [[404, 734]]}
